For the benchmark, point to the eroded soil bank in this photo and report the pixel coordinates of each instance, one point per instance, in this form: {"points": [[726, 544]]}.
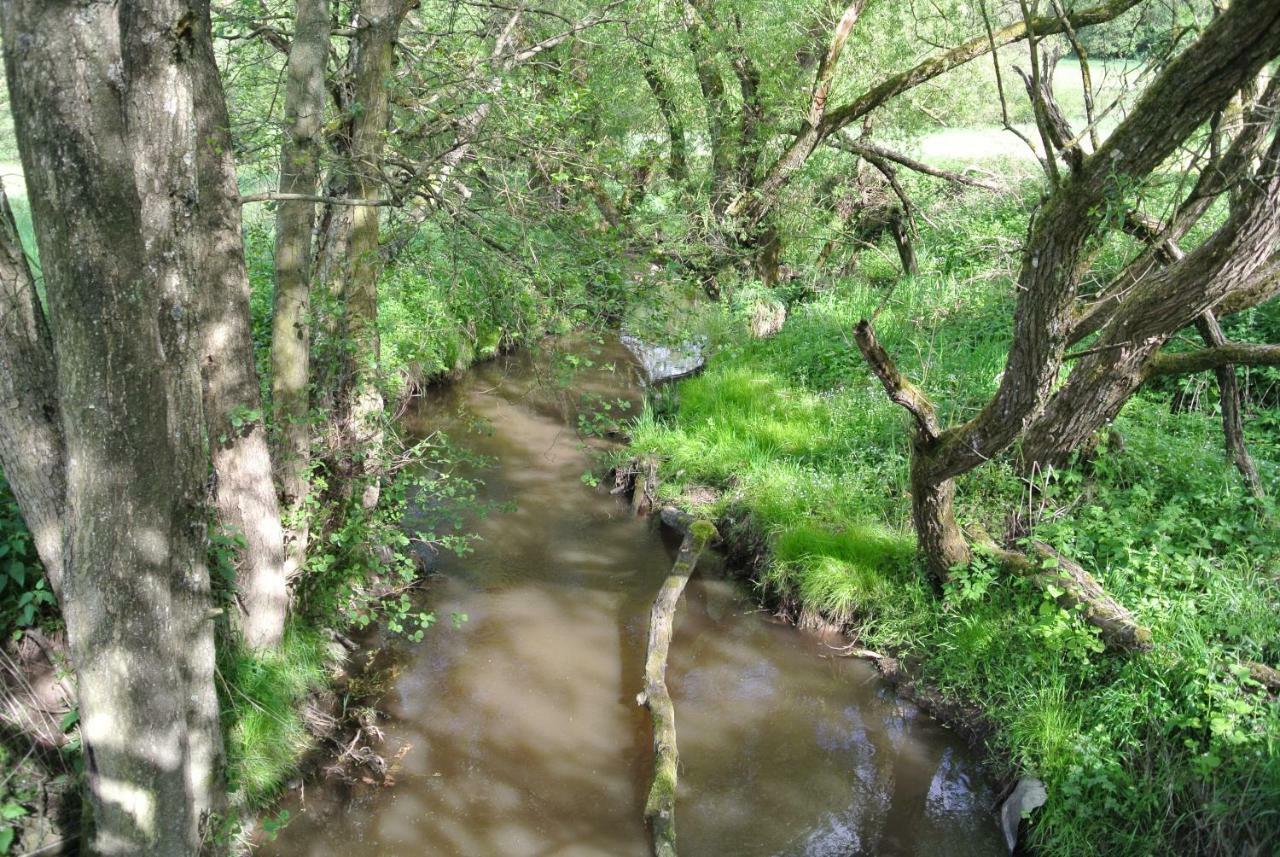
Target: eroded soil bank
{"points": [[522, 730]]}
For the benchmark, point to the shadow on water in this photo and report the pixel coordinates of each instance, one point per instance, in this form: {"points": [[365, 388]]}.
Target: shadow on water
{"points": [[524, 732]]}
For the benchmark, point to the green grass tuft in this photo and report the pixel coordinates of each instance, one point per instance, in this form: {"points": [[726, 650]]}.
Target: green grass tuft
{"points": [[263, 697]]}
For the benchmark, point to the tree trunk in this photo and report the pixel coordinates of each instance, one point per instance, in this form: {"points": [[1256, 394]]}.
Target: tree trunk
{"points": [[1126, 353], [678, 164], [1229, 397], [245, 495], [295, 221], [104, 103], [359, 398], [31, 449], [942, 544], [719, 111], [901, 232]]}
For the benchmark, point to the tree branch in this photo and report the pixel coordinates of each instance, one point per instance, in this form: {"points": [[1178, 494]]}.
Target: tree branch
{"points": [[825, 76], [900, 390], [961, 54], [754, 205], [865, 149], [1204, 359], [274, 196]]}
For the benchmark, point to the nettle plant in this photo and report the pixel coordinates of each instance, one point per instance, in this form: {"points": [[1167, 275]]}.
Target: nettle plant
{"points": [[25, 597]]}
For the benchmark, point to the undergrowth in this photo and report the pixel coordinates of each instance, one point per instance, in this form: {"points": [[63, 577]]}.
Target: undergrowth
{"points": [[1174, 751]]}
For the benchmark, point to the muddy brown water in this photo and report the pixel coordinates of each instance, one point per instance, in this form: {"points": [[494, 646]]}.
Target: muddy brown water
{"points": [[523, 733]]}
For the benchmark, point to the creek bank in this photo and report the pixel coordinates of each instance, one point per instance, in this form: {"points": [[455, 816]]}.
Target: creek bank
{"points": [[747, 554], [526, 713]]}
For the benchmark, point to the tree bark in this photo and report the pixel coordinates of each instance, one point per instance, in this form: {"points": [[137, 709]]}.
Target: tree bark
{"points": [[678, 163], [245, 493], [295, 221], [719, 112], [31, 447], [1078, 590], [104, 102], [941, 542], [660, 807], [1230, 402], [360, 397], [1201, 79], [1126, 353]]}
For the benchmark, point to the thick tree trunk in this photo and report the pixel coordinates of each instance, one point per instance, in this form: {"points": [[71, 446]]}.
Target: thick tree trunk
{"points": [[1127, 352], [295, 221], [31, 449], [360, 398], [660, 807], [942, 543], [245, 493], [104, 102]]}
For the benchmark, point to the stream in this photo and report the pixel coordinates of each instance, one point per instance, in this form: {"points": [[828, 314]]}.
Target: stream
{"points": [[522, 730]]}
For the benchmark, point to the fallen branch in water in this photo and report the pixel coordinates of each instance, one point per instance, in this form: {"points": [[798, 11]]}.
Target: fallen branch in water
{"points": [[660, 808]]}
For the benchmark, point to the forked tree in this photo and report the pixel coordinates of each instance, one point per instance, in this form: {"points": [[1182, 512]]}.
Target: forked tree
{"points": [[1234, 267]]}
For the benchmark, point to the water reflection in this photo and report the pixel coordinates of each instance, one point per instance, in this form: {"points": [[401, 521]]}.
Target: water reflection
{"points": [[524, 733]]}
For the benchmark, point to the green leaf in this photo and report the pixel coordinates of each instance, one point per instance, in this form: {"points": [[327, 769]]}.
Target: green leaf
{"points": [[6, 839], [12, 810], [71, 718]]}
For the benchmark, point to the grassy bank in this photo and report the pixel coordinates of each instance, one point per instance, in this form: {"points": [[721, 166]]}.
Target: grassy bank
{"points": [[1175, 751]]}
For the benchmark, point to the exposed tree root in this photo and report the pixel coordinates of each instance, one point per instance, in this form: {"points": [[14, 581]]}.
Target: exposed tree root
{"points": [[660, 808], [638, 479]]}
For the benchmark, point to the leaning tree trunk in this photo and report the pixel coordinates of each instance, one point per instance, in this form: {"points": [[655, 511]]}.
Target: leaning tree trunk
{"points": [[1231, 260], [245, 495], [104, 102], [295, 221]]}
